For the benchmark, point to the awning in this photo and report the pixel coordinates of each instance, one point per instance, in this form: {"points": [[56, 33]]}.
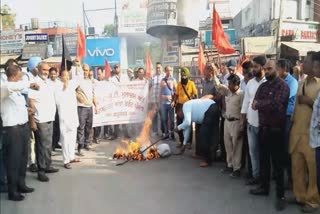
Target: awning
{"points": [[299, 48], [4, 58]]}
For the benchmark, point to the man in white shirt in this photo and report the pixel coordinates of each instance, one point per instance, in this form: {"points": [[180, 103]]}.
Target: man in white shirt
{"points": [[154, 100], [43, 102], [14, 114], [76, 72], [119, 78], [252, 116], [86, 100]]}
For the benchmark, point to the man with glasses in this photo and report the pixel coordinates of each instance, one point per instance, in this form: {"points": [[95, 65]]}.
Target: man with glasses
{"points": [[154, 103]]}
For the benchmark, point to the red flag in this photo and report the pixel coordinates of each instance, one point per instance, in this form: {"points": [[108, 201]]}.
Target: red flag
{"points": [[201, 59], [107, 69], [149, 66], [220, 40], [81, 45]]}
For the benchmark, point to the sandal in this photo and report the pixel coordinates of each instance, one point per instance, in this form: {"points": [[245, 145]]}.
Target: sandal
{"points": [[67, 166], [76, 160], [204, 164]]}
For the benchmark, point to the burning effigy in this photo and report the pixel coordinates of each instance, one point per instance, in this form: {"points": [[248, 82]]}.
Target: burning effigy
{"points": [[139, 149]]}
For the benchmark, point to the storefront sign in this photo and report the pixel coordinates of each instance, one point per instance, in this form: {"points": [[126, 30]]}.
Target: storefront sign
{"points": [[11, 42], [302, 32], [36, 37]]}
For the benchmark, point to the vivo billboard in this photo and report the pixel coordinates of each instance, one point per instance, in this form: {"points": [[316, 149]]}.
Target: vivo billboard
{"points": [[100, 49]]}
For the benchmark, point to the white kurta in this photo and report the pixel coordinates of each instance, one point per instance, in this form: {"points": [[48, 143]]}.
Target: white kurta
{"points": [[68, 118]]}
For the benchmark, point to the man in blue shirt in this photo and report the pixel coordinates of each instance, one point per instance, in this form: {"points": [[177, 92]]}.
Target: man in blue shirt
{"points": [[193, 111], [283, 67]]}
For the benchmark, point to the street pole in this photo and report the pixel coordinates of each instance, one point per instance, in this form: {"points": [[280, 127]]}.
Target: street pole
{"points": [[115, 19], [278, 50], [84, 19]]}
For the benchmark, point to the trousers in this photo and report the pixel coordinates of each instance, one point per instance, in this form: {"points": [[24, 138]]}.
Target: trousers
{"points": [[43, 147], [318, 166], [304, 164], [16, 146], [84, 131], [68, 142], [253, 141]]}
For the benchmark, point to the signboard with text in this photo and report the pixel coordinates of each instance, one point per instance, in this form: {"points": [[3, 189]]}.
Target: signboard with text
{"points": [[133, 16], [97, 50], [36, 37], [302, 32], [121, 103], [171, 53], [11, 42]]}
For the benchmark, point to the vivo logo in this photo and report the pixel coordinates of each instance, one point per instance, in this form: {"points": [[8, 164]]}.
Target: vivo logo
{"points": [[105, 52]]}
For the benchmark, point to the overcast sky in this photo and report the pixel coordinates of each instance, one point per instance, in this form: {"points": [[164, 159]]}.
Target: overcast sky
{"points": [[71, 11], [61, 10]]}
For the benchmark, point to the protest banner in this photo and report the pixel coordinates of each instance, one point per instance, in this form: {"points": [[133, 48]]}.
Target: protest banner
{"points": [[121, 103]]}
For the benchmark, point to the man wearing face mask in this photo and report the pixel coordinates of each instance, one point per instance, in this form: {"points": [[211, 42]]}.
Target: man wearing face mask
{"points": [[271, 100], [43, 102], [186, 90]]}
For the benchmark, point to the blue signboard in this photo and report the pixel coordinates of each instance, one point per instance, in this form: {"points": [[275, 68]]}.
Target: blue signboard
{"points": [[36, 37], [230, 33], [97, 50]]}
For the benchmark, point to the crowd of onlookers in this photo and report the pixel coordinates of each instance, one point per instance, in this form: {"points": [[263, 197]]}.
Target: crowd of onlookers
{"points": [[261, 115]]}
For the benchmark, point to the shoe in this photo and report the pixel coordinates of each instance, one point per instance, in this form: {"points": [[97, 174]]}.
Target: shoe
{"points": [[112, 138], [194, 156], [96, 141], [227, 170], [308, 209], [25, 189], [179, 145], [183, 149], [252, 181], [165, 136], [51, 170], [67, 166], [87, 147], [259, 191], [235, 174], [172, 137], [15, 197], [58, 146], [42, 177], [76, 160], [33, 168], [280, 204], [293, 200], [189, 146], [204, 164], [79, 153]]}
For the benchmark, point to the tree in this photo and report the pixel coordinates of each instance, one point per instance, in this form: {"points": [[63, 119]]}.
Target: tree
{"points": [[7, 18], [109, 30]]}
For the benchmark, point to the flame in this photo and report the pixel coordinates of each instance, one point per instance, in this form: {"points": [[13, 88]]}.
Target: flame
{"points": [[132, 149]]}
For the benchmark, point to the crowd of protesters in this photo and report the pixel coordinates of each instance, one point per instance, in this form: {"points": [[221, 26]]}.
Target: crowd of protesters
{"points": [[265, 120]]}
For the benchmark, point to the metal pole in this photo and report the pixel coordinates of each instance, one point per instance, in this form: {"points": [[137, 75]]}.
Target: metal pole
{"points": [[115, 19], [279, 30], [84, 19]]}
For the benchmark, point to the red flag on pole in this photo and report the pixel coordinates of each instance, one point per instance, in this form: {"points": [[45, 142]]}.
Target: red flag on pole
{"points": [[81, 44], [201, 59], [107, 69], [220, 40], [149, 66]]}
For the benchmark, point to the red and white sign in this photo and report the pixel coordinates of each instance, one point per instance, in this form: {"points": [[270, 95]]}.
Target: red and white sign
{"points": [[302, 32], [121, 103]]}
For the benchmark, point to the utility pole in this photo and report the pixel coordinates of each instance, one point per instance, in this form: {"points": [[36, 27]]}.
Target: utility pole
{"points": [[84, 19], [278, 48]]}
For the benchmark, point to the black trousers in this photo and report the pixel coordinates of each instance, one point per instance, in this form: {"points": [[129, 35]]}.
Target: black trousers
{"points": [[3, 173], [16, 151], [56, 131], [43, 147], [208, 131], [272, 150], [246, 160], [223, 153], [84, 132], [197, 132]]}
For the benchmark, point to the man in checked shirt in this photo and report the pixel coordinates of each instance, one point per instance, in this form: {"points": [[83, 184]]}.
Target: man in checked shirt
{"points": [[271, 100]]}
